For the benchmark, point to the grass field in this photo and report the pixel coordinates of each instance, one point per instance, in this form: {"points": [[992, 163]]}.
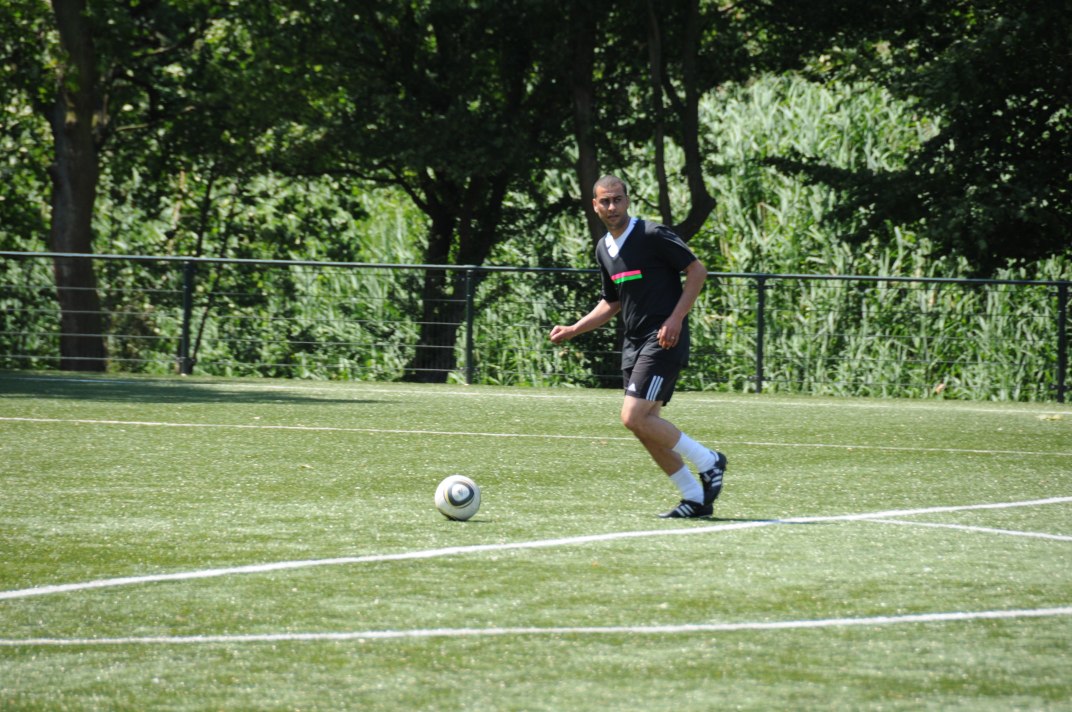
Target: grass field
{"points": [[195, 544]]}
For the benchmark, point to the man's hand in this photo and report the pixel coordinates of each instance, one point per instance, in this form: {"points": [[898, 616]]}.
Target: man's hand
{"points": [[669, 333], [600, 315], [561, 333]]}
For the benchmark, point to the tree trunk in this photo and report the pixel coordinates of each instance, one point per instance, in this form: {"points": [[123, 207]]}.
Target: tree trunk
{"points": [[655, 77], [469, 216], [434, 358], [74, 173], [701, 201], [442, 311], [583, 46]]}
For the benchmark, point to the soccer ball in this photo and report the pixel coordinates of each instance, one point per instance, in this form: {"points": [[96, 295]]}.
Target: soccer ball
{"points": [[457, 497]]}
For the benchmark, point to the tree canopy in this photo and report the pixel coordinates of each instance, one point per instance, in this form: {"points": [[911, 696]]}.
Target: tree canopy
{"points": [[468, 106], [995, 183]]}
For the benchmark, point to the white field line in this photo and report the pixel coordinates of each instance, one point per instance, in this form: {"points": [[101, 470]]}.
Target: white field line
{"points": [[982, 530], [687, 628], [691, 398], [480, 548], [309, 428], [538, 436]]}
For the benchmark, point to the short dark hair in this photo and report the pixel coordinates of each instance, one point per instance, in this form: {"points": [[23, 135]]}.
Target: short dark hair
{"points": [[609, 181]]}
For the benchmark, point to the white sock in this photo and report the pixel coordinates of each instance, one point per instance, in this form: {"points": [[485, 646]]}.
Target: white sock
{"points": [[689, 486], [695, 452]]}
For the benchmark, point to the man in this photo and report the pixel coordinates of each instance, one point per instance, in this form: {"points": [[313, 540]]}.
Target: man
{"points": [[641, 265]]}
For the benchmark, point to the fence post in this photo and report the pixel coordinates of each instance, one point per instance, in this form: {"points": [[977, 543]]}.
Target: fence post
{"points": [[1062, 339], [761, 327], [470, 368], [186, 364]]}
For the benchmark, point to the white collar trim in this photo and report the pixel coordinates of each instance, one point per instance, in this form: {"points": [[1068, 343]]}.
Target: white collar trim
{"points": [[614, 244]]}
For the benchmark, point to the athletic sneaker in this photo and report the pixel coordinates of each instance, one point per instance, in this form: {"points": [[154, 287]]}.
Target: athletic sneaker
{"points": [[712, 479], [688, 509]]}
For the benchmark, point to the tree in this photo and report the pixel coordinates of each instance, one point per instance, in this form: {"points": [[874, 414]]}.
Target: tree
{"points": [[664, 42], [995, 184], [78, 120], [641, 71], [24, 133], [457, 103], [93, 69]]}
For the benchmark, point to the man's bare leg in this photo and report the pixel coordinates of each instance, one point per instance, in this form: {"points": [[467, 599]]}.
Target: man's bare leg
{"points": [[657, 435]]}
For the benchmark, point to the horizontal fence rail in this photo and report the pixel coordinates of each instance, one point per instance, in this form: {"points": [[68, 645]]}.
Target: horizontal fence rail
{"points": [[822, 334]]}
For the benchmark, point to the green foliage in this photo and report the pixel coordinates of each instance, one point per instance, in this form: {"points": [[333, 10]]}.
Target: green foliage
{"points": [[822, 337], [828, 337], [993, 184], [24, 197], [258, 130], [767, 221]]}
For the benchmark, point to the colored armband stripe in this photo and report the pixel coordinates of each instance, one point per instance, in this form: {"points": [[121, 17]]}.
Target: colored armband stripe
{"points": [[626, 276]]}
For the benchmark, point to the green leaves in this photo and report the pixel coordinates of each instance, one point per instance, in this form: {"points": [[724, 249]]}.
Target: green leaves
{"points": [[995, 183]]}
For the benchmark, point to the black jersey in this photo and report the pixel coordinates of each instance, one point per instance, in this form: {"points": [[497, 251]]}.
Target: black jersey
{"points": [[644, 277]]}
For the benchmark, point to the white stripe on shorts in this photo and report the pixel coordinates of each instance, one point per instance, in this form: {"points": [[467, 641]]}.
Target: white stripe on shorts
{"points": [[654, 388]]}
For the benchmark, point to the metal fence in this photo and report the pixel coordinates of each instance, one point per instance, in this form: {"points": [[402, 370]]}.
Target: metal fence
{"points": [[844, 335]]}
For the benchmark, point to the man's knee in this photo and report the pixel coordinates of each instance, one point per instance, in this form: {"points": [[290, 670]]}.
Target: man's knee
{"points": [[631, 421], [636, 414]]}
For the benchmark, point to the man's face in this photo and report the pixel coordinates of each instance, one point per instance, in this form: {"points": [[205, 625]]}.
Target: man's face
{"points": [[612, 206]]}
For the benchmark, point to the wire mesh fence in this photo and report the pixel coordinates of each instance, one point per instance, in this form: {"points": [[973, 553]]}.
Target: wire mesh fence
{"points": [[844, 335]]}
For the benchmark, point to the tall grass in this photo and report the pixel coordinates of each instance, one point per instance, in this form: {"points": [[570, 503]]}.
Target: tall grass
{"points": [[837, 337], [821, 336]]}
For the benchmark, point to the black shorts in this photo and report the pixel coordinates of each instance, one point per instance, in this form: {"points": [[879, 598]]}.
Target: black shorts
{"points": [[653, 376]]}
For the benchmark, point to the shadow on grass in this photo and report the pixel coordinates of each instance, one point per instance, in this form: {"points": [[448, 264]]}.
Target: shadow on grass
{"points": [[163, 390]]}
